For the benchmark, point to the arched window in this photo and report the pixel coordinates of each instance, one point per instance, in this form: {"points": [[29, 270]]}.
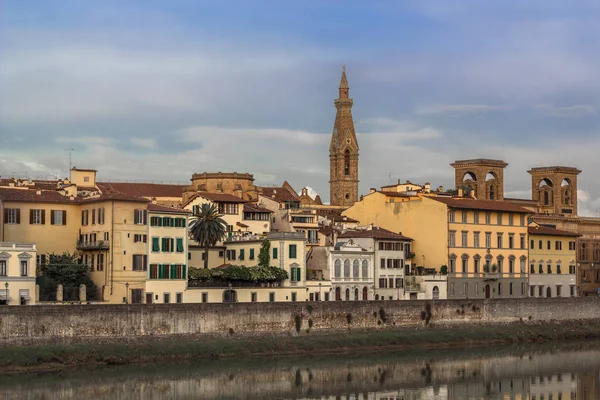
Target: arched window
{"points": [[355, 268], [347, 294], [356, 298], [346, 268], [492, 192], [436, 293], [347, 162], [567, 197], [546, 198], [338, 268], [365, 269]]}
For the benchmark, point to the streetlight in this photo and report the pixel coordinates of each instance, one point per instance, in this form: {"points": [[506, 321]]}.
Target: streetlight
{"points": [[126, 292]]}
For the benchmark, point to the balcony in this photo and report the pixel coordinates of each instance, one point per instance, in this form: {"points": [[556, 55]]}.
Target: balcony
{"points": [[95, 245]]}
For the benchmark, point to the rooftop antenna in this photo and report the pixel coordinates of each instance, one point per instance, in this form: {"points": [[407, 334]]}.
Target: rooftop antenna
{"points": [[390, 176], [70, 150]]}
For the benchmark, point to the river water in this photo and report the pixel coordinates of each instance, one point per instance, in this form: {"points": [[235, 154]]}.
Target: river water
{"points": [[543, 372]]}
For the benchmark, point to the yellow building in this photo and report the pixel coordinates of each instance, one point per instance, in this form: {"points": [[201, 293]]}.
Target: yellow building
{"points": [[17, 273], [230, 207], [482, 243], [552, 262], [167, 260]]}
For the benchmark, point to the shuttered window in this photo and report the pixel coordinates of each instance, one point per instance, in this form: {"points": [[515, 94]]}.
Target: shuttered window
{"points": [[180, 245], [292, 253], [155, 244], [12, 216]]}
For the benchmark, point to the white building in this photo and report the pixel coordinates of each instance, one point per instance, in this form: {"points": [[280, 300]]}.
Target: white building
{"points": [[351, 271], [17, 273]]}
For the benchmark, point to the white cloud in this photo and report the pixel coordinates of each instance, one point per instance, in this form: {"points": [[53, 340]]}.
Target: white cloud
{"points": [[577, 110], [147, 143]]}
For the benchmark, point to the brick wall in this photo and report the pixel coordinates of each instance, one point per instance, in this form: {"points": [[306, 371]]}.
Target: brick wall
{"points": [[98, 323]]}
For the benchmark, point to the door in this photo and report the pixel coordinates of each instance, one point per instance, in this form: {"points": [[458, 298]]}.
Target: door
{"points": [[487, 291], [356, 294], [338, 294], [149, 298], [548, 292], [365, 296]]}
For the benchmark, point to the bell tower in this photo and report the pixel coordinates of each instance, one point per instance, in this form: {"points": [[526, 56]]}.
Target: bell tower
{"points": [[343, 151]]}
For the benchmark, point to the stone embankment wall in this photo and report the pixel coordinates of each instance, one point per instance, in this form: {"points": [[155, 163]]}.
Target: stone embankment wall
{"points": [[112, 323]]}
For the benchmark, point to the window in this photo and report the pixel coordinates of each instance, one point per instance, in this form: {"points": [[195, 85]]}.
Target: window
{"points": [[139, 262], [58, 217], [231, 254], [12, 216], [476, 217], [475, 239], [251, 254], [179, 245], [464, 217], [511, 241], [24, 268], [92, 259], [558, 245], [242, 254], [138, 238], [347, 162], [499, 240], [540, 291], [338, 268], [522, 241], [294, 297], [499, 222], [488, 218], [549, 244], [94, 216], [558, 290], [451, 239], [101, 215], [488, 240], [40, 260], [85, 214], [37, 217], [558, 271], [523, 259], [510, 289], [452, 265], [382, 283], [476, 262], [511, 266], [105, 235], [2, 267], [465, 240], [365, 269], [499, 289], [274, 253], [572, 245], [465, 265], [140, 217], [346, 268], [228, 208], [253, 297], [572, 291], [166, 298], [179, 297], [168, 245], [451, 216], [100, 262], [154, 271], [531, 291], [510, 222], [549, 268], [155, 244], [355, 268], [571, 269], [271, 297], [532, 245], [540, 245], [296, 274], [292, 251]]}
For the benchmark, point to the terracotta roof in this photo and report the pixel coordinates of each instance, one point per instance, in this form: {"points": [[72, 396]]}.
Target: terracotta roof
{"points": [[165, 209], [220, 197], [330, 212], [375, 233], [88, 188], [342, 218], [546, 230], [83, 169], [513, 200], [113, 197], [242, 225], [31, 196], [256, 208], [280, 194], [143, 189], [473, 204], [395, 194]]}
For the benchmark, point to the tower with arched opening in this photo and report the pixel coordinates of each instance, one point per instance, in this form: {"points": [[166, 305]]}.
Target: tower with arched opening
{"points": [[343, 151], [482, 177], [555, 189]]}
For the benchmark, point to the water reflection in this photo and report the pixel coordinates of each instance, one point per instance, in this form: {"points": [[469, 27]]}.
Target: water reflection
{"points": [[514, 373]]}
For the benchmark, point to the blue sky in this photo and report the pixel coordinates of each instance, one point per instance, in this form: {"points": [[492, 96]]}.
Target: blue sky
{"points": [[158, 90]]}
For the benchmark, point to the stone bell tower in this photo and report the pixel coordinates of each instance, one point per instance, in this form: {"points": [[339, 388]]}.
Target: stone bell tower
{"points": [[343, 151], [555, 189]]}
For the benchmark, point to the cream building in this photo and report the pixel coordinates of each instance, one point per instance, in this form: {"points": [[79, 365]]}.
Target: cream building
{"points": [[552, 262], [230, 207], [287, 251], [17, 273], [167, 261], [351, 271]]}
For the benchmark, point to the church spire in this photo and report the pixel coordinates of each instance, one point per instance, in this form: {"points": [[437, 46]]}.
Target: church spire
{"points": [[343, 151], [344, 84]]}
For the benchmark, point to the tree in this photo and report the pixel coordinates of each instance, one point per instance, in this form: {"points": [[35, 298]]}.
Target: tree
{"points": [[207, 227], [65, 269], [264, 256]]}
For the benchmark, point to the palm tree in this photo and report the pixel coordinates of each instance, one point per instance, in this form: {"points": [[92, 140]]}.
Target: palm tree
{"points": [[207, 227]]}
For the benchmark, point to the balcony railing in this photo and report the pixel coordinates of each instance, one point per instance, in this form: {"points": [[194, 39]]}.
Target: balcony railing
{"points": [[95, 245]]}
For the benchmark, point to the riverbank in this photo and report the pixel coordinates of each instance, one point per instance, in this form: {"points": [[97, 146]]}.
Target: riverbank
{"points": [[195, 348]]}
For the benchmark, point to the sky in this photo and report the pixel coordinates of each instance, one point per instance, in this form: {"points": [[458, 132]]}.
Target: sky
{"points": [[157, 90]]}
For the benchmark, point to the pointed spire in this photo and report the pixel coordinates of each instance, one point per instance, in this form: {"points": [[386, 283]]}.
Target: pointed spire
{"points": [[344, 80]]}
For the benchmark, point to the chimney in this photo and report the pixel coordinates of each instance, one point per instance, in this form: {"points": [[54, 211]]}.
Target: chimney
{"points": [[372, 190], [399, 182], [427, 187]]}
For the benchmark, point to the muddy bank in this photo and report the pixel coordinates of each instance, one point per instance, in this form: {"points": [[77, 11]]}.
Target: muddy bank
{"points": [[190, 348]]}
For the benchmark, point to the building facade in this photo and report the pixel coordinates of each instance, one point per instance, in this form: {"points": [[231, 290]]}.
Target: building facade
{"points": [[351, 271], [17, 273], [552, 262], [343, 151]]}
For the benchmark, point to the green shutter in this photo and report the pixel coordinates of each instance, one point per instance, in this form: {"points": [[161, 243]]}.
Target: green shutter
{"points": [[172, 221], [160, 270], [173, 271], [183, 272], [164, 244], [275, 253], [252, 254], [292, 251], [179, 245], [155, 244], [172, 245], [298, 274]]}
